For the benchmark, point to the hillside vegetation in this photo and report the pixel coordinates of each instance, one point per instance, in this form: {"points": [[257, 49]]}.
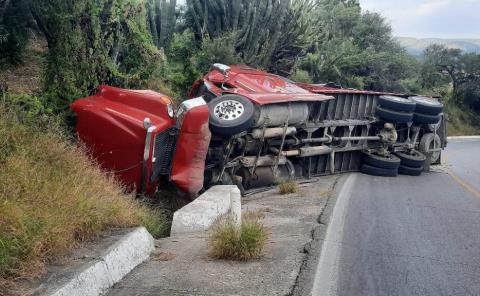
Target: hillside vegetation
{"points": [[53, 198], [160, 45]]}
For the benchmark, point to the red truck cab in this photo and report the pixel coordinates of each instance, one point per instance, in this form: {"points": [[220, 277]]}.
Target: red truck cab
{"points": [[136, 135]]}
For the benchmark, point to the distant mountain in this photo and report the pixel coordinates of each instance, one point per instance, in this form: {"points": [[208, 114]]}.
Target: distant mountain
{"points": [[416, 46]]}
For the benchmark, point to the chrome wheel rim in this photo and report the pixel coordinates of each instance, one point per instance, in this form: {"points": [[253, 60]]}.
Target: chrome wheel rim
{"points": [[229, 110]]}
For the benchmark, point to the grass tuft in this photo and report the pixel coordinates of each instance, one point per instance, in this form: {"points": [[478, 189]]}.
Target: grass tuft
{"points": [[53, 198], [238, 242], [288, 187]]}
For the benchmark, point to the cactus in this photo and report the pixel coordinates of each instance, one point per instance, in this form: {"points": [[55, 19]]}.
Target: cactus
{"points": [[161, 20], [271, 33]]}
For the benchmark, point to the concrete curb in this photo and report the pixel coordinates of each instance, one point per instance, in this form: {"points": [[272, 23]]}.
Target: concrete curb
{"points": [[96, 277], [463, 138], [326, 273], [200, 214]]}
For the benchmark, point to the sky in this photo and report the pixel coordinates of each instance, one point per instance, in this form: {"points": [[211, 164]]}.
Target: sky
{"points": [[429, 18]]}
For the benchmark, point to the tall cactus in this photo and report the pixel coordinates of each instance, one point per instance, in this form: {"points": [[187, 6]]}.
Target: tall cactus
{"points": [[261, 27], [161, 20]]}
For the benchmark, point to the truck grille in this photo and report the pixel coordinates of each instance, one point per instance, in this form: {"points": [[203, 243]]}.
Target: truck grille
{"points": [[163, 153]]}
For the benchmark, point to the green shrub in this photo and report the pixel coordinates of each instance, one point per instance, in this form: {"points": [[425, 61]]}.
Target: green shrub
{"points": [[238, 242], [180, 71], [28, 108], [92, 43], [300, 75], [217, 50], [14, 31]]}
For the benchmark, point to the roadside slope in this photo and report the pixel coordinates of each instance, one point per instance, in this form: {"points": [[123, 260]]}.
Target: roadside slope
{"points": [[53, 198]]}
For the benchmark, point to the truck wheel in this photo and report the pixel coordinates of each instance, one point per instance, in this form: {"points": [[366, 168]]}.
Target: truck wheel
{"points": [[230, 115], [410, 171], [388, 162], [428, 143], [397, 103], [427, 105], [374, 171], [425, 119], [433, 127], [413, 158], [393, 116]]}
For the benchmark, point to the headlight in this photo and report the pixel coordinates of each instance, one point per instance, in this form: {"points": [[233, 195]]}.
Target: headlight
{"points": [[170, 110]]}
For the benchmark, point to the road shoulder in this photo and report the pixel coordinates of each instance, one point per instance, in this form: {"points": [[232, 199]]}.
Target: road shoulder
{"points": [[309, 270], [182, 265]]}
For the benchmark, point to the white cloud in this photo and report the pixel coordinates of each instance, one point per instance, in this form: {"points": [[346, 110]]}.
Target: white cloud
{"points": [[430, 7], [429, 18]]}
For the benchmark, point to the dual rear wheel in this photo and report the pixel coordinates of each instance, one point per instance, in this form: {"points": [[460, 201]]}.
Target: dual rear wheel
{"points": [[380, 165], [390, 165], [417, 110]]}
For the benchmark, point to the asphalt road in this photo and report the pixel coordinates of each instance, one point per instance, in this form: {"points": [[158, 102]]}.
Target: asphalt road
{"points": [[406, 235]]}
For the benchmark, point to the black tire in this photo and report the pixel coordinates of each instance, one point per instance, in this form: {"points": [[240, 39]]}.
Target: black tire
{"points": [[433, 127], [374, 171], [427, 143], [235, 116], [425, 119], [397, 103], [427, 106], [393, 116], [414, 158], [410, 171], [389, 162]]}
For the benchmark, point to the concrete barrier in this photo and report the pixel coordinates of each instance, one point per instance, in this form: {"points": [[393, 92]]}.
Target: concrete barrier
{"points": [[103, 271], [200, 214]]}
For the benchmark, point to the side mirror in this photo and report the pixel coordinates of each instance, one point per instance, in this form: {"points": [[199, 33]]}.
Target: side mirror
{"points": [[224, 69]]}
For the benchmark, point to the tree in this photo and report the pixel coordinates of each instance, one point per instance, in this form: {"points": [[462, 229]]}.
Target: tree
{"points": [[92, 42], [14, 22], [356, 49], [459, 67], [450, 65]]}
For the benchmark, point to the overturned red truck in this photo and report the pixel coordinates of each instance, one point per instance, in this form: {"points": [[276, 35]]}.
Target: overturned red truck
{"points": [[252, 128]]}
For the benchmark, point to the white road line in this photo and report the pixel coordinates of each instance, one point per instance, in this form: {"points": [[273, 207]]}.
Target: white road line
{"points": [[463, 138], [326, 275]]}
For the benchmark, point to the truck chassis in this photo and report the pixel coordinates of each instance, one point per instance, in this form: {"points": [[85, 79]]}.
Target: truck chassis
{"points": [[266, 129]]}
